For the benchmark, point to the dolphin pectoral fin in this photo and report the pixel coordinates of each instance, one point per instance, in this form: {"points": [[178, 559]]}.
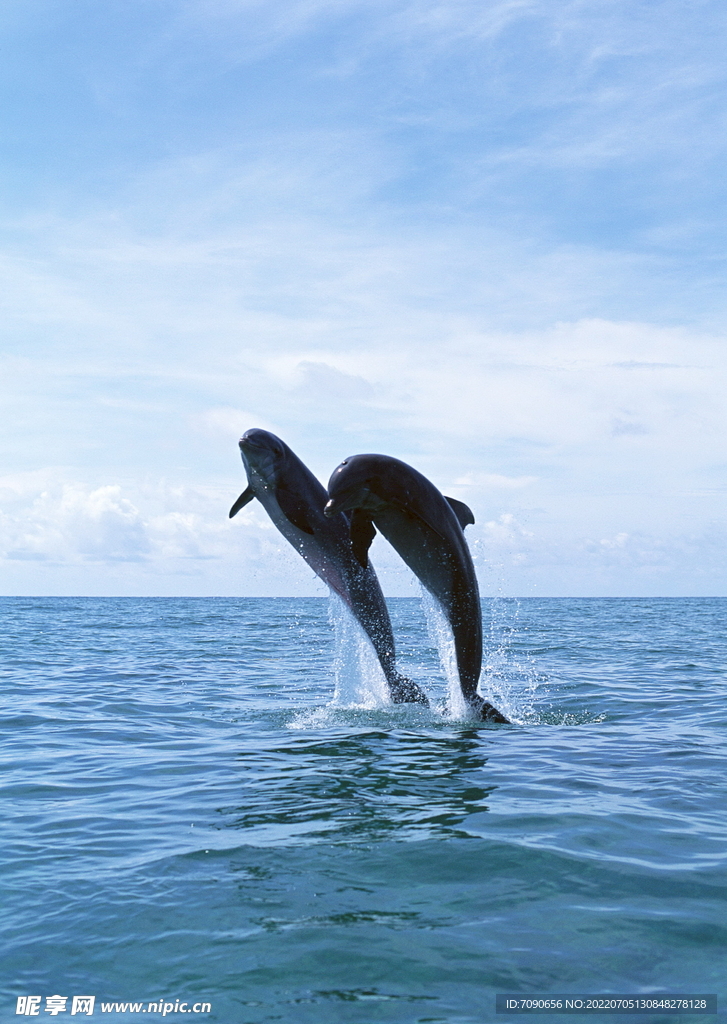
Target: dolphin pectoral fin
{"points": [[294, 509], [363, 532], [247, 495], [462, 511]]}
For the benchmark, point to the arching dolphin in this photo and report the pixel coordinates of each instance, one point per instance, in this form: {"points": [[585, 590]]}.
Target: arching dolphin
{"points": [[294, 500], [427, 530]]}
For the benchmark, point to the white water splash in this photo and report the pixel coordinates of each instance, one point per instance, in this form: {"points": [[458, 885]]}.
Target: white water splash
{"points": [[360, 680], [313, 718], [502, 679], [440, 634], [513, 683]]}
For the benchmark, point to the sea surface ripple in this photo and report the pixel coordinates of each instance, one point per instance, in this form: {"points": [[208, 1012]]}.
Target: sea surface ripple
{"points": [[198, 805]]}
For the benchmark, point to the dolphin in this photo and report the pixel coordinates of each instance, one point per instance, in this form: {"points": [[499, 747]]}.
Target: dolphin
{"points": [[427, 530], [294, 500]]}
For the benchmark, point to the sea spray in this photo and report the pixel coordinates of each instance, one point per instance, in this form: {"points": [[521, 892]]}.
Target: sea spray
{"points": [[440, 634], [359, 678], [502, 676], [510, 678]]}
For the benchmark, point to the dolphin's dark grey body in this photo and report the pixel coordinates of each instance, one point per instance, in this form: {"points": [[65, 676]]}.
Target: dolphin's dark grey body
{"points": [[427, 530], [294, 500]]}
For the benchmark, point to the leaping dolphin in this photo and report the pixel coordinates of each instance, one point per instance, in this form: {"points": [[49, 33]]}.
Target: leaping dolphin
{"points": [[294, 500], [427, 530]]}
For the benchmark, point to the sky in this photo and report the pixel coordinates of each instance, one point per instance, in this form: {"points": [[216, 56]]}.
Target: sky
{"points": [[482, 236]]}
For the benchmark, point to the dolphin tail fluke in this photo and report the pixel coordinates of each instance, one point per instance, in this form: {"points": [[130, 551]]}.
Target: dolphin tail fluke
{"points": [[406, 691], [486, 712]]}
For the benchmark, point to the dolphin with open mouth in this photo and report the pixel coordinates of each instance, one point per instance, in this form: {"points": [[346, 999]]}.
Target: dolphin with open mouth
{"points": [[427, 530], [294, 500]]}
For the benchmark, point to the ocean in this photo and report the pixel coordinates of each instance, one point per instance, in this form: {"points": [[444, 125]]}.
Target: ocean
{"points": [[206, 802]]}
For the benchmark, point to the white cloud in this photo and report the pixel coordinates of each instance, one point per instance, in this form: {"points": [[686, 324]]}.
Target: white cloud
{"points": [[71, 522]]}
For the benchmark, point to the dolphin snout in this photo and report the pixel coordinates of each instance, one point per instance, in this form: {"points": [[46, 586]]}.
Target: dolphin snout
{"points": [[330, 509]]}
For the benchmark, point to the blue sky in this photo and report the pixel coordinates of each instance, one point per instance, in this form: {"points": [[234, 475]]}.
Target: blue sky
{"points": [[484, 237]]}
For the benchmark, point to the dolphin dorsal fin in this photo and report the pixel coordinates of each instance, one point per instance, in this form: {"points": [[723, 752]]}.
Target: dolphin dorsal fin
{"points": [[363, 532], [247, 495], [462, 511]]}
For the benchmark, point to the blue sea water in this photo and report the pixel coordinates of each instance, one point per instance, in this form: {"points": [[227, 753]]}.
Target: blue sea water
{"points": [[200, 802]]}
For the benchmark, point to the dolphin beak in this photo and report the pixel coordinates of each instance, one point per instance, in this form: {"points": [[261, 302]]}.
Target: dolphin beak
{"points": [[329, 510]]}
